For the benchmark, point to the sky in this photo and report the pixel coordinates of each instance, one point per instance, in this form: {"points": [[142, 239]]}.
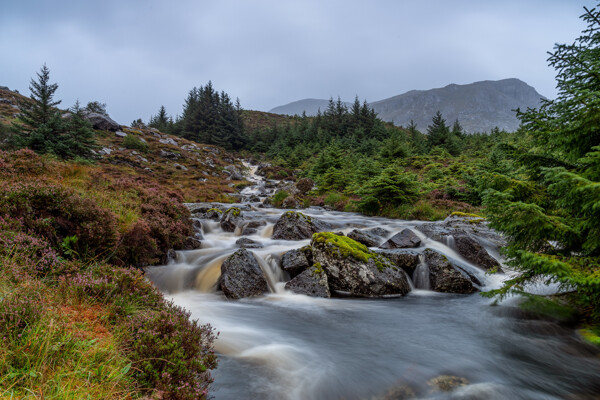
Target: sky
{"points": [[136, 55]]}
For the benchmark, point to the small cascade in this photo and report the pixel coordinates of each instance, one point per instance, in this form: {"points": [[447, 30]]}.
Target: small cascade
{"points": [[449, 241], [271, 270], [421, 274], [208, 276], [267, 231]]}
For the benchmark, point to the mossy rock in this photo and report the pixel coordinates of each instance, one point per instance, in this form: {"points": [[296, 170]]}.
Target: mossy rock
{"points": [[346, 247]]}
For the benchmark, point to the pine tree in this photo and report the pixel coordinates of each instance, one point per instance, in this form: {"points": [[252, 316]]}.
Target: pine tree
{"points": [[42, 107], [552, 216]]}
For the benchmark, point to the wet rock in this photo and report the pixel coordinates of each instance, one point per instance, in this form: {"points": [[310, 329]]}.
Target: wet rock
{"points": [[399, 392], [402, 240], [197, 225], [241, 276], [232, 217], [403, 258], [383, 233], [311, 282], [246, 243], [293, 225], [251, 227], [446, 277], [447, 383], [192, 243], [365, 238], [102, 122], [354, 269], [290, 202], [294, 262], [303, 186], [170, 256], [470, 249]]}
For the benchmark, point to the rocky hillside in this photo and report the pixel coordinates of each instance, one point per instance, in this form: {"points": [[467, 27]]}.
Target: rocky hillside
{"points": [[479, 106]]}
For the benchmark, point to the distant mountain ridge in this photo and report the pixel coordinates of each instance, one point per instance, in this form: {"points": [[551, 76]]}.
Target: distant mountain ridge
{"points": [[479, 106]]}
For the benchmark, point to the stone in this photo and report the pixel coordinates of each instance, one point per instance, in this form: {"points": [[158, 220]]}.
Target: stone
{"points": [[170, 141], [289, 202], [474, 252], [402, 240], [101, 122], [192, 243], [293, 225], [241, 276], [232, 217], [180, 167], [354, 270], [311, 282], [365, 238], [303, 186], [246, 243], [295, 262], [377, 231], [445, 276], [251, 227], [120, 134], [105, 151], [447, 383], [402, 258]]}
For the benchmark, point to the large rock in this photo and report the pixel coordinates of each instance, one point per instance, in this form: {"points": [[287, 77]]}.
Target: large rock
{"points": [[231, 218], [445, 276], [311, 282], [365, 238], [470, 249], [102, 122], [403, 258], [246, 243], [355, 270], [241, 276], [293, 225], [402, 240], [295, 261]]}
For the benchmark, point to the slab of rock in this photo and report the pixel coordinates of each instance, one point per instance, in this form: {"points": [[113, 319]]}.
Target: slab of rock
{"points": [[102, 122], [294, 262], [241, 276], [403, 258], [403, 240], [365, 238], [232, 217], [311, 282], [246, 243], [293, 225], [120, 134], [445, 276], [355, 270], [470, 249]]}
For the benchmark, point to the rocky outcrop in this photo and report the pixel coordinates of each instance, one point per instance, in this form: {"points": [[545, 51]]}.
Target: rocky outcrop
{"points": [[293, 225], [445, 276], [232, 217], [365, 238], [353, 269], [241, 276], [101, 122], [295, 261], [311, 282], [402, 240]]}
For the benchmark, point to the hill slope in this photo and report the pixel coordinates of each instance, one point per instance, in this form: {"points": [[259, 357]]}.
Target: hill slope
{"points": [[479, 106]]}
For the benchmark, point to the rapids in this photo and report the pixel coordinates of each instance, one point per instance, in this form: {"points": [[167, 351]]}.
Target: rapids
{"points": [[288, 346]]}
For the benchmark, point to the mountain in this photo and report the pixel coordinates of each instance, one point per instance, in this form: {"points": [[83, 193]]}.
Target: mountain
{"points": [[479, 106], [310, 106]]}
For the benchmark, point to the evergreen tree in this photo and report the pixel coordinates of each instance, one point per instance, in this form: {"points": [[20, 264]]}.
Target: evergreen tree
{"points": [[552, 219], [161, 121]]}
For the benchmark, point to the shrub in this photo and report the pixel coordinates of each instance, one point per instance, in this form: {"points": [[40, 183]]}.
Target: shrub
{"points": [[279, 197], [171, 353], [135, 143], [19, 310]]}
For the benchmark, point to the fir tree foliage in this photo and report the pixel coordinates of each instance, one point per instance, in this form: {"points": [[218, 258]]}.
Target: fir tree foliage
{"points": [[551, 213], [43, 129]]}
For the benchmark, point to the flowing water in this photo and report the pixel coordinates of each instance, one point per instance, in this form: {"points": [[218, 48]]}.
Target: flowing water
{"points": [[288, 346]]}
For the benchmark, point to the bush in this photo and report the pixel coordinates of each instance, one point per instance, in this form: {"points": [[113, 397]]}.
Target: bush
{"points": [[171, 353], [134, 143], [19, 310], [279, 197]]}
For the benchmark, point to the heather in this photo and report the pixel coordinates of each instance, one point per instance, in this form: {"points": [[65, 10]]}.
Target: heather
{"points": [[76, 316]]}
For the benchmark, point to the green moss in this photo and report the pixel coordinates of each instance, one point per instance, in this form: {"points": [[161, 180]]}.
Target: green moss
{"points": [[476, 220], [214, 210], [234, 211], [591, 335], [318, 269], [347, 247], [462, 214], [296, 214]]}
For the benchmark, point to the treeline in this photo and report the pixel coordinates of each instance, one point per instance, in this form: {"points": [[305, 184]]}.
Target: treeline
{"points": [[208, 117]]}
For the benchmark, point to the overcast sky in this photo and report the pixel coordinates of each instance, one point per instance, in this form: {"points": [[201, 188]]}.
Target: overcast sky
{"points": [[136, 55]]}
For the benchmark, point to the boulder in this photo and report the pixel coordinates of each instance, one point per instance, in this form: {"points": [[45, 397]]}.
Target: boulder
{"points": [[402, 258], [169, 155], [251, 227], [102, 122], [231, 218], [365, 238], [311, 282], [303, 186], [290, 202], [192, 243], [120, 134], [170, 141], [402, 240], [293, 225], [470, 249], [354, 270], [246, 243], [383, 233], [445, 276], [294, 262], [241, 276]]}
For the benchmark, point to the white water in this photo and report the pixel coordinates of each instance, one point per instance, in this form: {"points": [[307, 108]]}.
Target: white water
{"points": [[288, 346]]}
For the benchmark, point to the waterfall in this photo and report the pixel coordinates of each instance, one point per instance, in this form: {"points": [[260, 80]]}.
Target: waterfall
{"points": [[271, 270], [449, 241], [208, 277], [421, 274]]}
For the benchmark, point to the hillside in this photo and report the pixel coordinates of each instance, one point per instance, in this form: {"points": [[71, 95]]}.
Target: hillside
{"points": [[479, 106]]}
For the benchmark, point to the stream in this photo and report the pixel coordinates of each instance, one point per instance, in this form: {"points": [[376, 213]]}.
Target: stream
{"points": [[289, 346]]}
